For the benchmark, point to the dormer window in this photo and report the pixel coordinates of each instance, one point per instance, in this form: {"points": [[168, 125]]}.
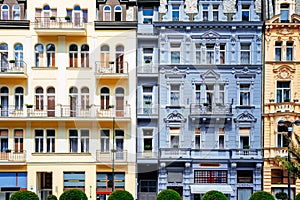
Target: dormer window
{"points": [[245, 12], [118, 13], [4, 12], [284, 12], [175, 12]]}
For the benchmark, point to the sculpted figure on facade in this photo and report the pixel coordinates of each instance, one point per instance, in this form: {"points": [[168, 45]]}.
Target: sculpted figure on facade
{"points": [[191, 6]]}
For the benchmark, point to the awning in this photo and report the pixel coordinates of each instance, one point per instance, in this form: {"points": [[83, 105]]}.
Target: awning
{"points": [[201, 189]]}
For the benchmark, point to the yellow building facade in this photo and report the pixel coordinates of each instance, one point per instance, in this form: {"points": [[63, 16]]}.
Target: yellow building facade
{"points": [[67, 86], [281, 94]]}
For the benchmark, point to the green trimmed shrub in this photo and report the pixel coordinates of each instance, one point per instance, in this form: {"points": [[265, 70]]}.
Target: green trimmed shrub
{"points": [[120, 194], [214, 195], [24, 195], [297, 196], [51, 197], [261, 195], [168, 194], [281, 195], [73, 194]]}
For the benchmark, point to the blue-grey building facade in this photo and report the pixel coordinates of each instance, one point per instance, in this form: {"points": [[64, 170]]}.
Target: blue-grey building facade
{"points": [[199, 89]]}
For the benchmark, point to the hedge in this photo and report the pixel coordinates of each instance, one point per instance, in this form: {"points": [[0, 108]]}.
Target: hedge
{"points": [[73, 194], [24, 195], [261, 195], [168, 195], [214, 195], [120, 194]]}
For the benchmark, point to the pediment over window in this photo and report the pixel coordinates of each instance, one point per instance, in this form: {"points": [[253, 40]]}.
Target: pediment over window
{"points": [[210, 34], [295, 18], [175, 117], [284, 72], [245, 72], [245, 117], [274, 19], [211, 74]]}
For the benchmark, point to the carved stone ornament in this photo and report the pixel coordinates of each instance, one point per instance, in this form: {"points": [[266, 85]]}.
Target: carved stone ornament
{"points": [[174, 116], [191, 6], [285, 31], [284, 72], [245, 117], [162, 7], [229, 6]]}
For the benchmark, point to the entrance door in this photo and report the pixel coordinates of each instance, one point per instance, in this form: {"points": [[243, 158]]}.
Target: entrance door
{"points": [[44, 184], [51, 102]]}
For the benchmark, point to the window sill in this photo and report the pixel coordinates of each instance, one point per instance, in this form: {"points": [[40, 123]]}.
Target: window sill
{"points": [[59, 154], [44, 68], [245, 107], [175, 106]]}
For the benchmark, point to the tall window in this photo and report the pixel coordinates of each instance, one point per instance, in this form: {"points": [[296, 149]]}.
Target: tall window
{"points": [[222, 53], [174, 137], [198, 54], [175, 53], [39, 98], [221, 138], [205, 12], [104, 57], [197, 138], [85, 98], [147, 99], [50, 140], [119, 142], [4, 57], [4, 97], [175, 12], [18, 54], [210, 176], [244, 138], [19, 98], [278, 51], [3, 140], [77, 15], [73, 92], [175, 94], [79, 143], [73, 141], [50, 55], [85, 55], [104, 140], [245, 53], [283, 92], [147, 15], [118, 13], [198, 93], [106, 13], [39, 54], [5, 12], [104, 98], [210, 53], [245, 94], [245, 12], [284, 12], [73, 55], [39, 140], [215, 12], [16, 12], [209, 93], [84, 141], [147, 55], [120, 59], [289, 51], [18, 140], [148, 137], [221, 94]]}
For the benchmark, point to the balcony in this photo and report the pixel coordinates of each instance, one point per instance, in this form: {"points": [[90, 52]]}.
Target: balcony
{"points": [[246, 154], [147, 112], [12, 156], [272, 152], [107, 157], [210, 154], [115, 25], [13, 70], [210, 109], [147, 70], [175, 153], [111, 70], [59, 26], [147, 155], [282, 107], [14, 24], [61, 157]]}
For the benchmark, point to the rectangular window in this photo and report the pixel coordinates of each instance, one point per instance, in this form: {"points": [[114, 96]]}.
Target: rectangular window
{"points": [[147, 55], [104, 140], [148, 186], [210, 53], [283, 92], [175, 53], [175, 12], [3, 140], [210, 176], [198, 93], [73, 141], [209, 94], [148, 15], [222, 53], [198, 53], [175, 94], [74, 180], [284, 12], [205, 12], [50, 140], [278, 51], [245, 12], [245, 94], [18, 139], [39, 141], [245, 53], [197, 138], [280, 176], [221, 94], [245, 176], [148, 135], [215, 12], [221, 138], [244, 193], [244, 138], [84, 141], [147, 99], [105, 181], [174, 137], [282, 141], [289, 51]]}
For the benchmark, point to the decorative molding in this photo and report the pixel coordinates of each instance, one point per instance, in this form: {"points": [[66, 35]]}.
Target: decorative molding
{"points": [[245, 117], [245, 72], [285, 31], [210, 74], [175, 117], [284, 72]]}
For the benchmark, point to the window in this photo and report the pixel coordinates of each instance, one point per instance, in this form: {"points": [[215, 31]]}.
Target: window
{"points": [[289, 51], [50, 140], [148, 135], [119, 142], [74, 180], [119, 99], [18, 140], [5, 12], [73, 94], [198, 54], [174, 137], [79, 143], [198, 93], [106, 13], [147, 55], [215, 12], [221, 94], [148, 186], [39, 98], [73, 139], [73, 55], [205, 12], [221, 138], [46, 13], [245, 176], [4, 97], [222, 53], [39, 52], [175, 94], [4, 57], [245, 94], [278, 51], [3, 140], [104, 57], [118, 13], [282, 141], [85, 56], [175, 53], [120, 59], [147, 99], [284, 12], [77, 15], [245, 53], [175, 12], [16, 12], [283, 92], [85, 98], [105, 181], [104, 98], [280, 176], [84, 141], [245, 12], [197, 138], [244, 138], [148, 15], [19, 98], [50, 55], [39, 140], [210, 176], [104, 140], [244, 193], [210, 53], [209, 93], [18, 55]]}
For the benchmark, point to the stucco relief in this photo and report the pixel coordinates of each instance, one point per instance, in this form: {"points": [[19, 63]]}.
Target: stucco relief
{"points": [[285, 31], [162, 7], [191, 6], [229, 6], [129, 14], [257, 6], [284, 72]]}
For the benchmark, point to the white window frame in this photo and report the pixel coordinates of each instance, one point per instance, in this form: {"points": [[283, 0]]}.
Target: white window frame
{"points": [[147, 136], [198, 93], [4, 10], [148, 18], [197, 136], [245, 52], [105, 12], [172, 92], [246, 8], [105, 140], [175, 49], [84, 141], [215, 11], [245, 91], [148, 53], [16, 14]]}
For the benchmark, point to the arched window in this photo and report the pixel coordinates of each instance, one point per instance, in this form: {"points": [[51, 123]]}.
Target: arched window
{"points": [[18, 51], [73, 93], [104, 98], [39, 55], [46, 14], [85, 55], [118, 13], [4, 94], [51, 102], [120, 59], [104, 58], [4, 12], [50, 55], [19, 98], [119, 102], [4, 57], [106, 13], [39, 98], [16, 12], [85, 98], [73, 55], [77, 16]]}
